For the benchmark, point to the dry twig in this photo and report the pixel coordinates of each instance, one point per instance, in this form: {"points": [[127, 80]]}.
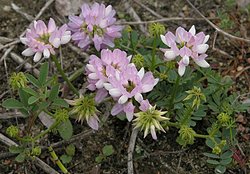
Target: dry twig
{"points": [[216, 27], [148, 9], [19, 11], [131, 148], [165, 20], [133, 14]]}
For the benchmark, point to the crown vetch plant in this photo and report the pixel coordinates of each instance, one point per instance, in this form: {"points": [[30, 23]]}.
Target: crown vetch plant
{"points": [[140, 82]]}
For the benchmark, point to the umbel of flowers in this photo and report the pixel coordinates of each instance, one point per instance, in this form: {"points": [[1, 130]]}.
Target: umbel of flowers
{"points": [[113, 74], [186, 44], [42, 40], [95, 24]]}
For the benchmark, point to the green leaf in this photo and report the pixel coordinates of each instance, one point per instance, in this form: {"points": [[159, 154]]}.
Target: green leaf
{"points": [[108, 150], [220, 169], [214, 162], [66, 159], [134, 38], [226, 161], [32, 100], [43, 105], [44, 70], [99, 159], [54, 92], [24, 96], [211, 155], [31, 91], [210, 143], [70, 150], [16, 149], [60, 102], [12, 104], [226, 154], [65, 130], [21, 157], [33, 80]]}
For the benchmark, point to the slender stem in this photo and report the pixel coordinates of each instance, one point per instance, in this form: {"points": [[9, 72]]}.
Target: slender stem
{"points": [[174, 93], [202, 136], [153, 62], [59, 68], [172, 124], [46, 131], [57, 161]]}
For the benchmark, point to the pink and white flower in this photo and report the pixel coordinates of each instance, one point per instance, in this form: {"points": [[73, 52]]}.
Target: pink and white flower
{"points": [[127, 85], [186, 44], [99, 69], [95, 24], [43, 40]]}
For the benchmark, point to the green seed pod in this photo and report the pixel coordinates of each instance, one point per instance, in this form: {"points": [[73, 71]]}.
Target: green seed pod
{"points": [[156, 29], [36, 151], [61, 115], [138, 60]]}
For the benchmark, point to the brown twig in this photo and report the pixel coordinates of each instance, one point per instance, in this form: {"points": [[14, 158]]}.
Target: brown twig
{"points": [[216, 27], [131, 148], [165, 20], [148, 9], [19, 11], [5, 39], [9, 115], [133, 14]]}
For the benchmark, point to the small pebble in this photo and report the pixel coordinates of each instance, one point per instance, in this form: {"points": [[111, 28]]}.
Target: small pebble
{"points": [[6, 8], [239, 68], [248, 60]]}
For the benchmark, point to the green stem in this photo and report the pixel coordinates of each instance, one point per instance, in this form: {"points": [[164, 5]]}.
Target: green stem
{"points": [[57, 161], [172, 124], [55, 124], [175, 88], [153, 62], [59, 68], [201, 136]]}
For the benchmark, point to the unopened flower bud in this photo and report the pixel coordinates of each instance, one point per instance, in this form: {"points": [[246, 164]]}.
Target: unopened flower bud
{"points": [[138, 60], [18, 80], [216, 150], [84, 109], [223, 118], [156, 29], [186, 136], [197, 95], [12, 131], [149, 120], [36, 151], [61, 115]]}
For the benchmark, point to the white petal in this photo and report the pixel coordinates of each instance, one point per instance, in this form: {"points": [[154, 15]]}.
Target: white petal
{"points": [[181, 70], [156, 81], [46, 53], [24, 40], [56, 42], [37, 56], [35, 24], [115, 92], [185, 60], [138, 97], [192, 30], [99, 84], [170, 55], [65, 39], [107, 86], [163, 38], [206, 38], [90, 68], [93, 76], [129, 58], [123, 99], [147, 88], [28, 52], [202, 63], [141, 73], [202, 48]]}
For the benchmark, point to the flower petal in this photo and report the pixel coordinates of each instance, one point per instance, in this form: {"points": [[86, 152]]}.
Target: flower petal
{"points": [[28, 52], [123, 99], [37, 56]]}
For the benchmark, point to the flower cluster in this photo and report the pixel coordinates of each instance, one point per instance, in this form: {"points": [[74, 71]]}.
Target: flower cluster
{"points": [[149, 118], [114, 74], [95, 24], [186, 44], [43, 40]]}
